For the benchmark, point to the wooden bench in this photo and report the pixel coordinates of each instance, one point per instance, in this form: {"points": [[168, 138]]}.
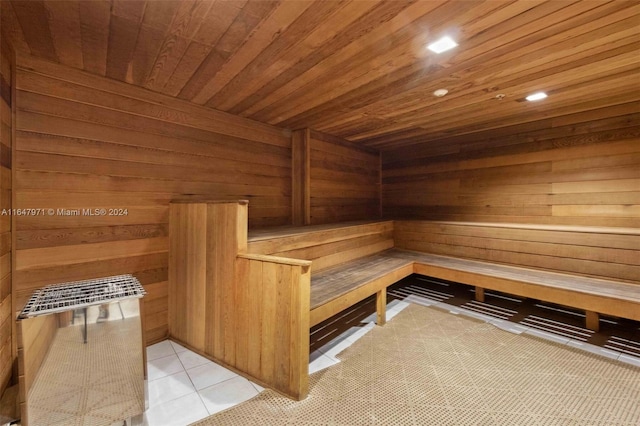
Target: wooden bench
{"points": [[339, 285], [248, 301]]}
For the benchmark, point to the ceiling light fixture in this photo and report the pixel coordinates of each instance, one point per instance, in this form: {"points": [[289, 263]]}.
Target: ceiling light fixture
{"points": [[442, 45], [536, 96], [440, 93]]}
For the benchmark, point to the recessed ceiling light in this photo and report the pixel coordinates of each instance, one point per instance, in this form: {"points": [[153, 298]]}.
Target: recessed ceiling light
{"points": [[440, 93], [442, 45], [536, 96]]}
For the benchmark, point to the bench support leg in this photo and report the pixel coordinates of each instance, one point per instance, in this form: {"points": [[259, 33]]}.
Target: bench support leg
{"points": [[381, 306], [593, 320], [480, 294]]}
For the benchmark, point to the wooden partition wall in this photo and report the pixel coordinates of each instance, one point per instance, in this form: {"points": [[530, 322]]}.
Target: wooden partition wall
{"points": [[34, 338], [87, 142], [7, 327], [248, 312]]}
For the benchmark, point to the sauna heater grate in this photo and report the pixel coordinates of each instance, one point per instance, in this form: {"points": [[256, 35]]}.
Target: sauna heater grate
{"points": [[80, 294]]}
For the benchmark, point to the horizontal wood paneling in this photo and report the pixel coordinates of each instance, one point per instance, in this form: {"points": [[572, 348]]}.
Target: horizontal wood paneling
{"points": [[580, 169], [86, 142], [7, 325], [344, 180], [355, 69], [610, 253], [324, 245]]}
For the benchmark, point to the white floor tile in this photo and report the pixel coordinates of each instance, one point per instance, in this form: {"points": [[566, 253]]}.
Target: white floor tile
{"points": [[178, 412], [190, 359], [178, 348], [319, 361], [160, 350], [397, 305], [339, 344], [169, 388], [419, 300], [548, 336], [165, 366], [630, 360], [361, 332], [209, 374], [227, 394]]}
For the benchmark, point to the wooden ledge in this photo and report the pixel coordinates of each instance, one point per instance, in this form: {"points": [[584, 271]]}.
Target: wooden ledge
{"points": [[289, 231], [205, 201], [533, 226], [276, 259]]}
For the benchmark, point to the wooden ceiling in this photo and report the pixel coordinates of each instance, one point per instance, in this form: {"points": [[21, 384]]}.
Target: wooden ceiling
{"points": [[356, 69]]}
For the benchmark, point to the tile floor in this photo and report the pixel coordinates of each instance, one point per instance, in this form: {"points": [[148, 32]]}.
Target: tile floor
{"points": [[185, 387]]}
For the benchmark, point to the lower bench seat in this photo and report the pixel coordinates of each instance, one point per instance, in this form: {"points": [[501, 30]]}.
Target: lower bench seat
{"points": [[337, 288]]}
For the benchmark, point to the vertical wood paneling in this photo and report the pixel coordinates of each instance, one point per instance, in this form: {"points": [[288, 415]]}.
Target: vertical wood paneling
{"points": [[301, 178], [248, 312], [7, 327], [580, 169], [86, 142], [345, 180], [34, 337], [275, 349]]}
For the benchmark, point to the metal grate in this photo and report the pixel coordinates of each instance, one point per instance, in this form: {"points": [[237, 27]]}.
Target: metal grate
{"points": [[80, 294]]}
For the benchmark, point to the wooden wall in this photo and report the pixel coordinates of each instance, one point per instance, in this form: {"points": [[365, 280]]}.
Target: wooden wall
{"points": [[580, 169], [345, 180], [601, 252], [86, 142], [324, 245], [6, 141]]}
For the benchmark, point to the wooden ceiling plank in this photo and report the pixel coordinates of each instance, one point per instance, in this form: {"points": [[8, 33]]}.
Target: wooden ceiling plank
{"points": [[569, 76], [515, 116], [241, 28], [132, 10], [123, 36], [159, 14], [459, 21], [218, 20], [388, 97], [369, 31], [398, 109], [32, 16], [64, 21], [571, 106], [214, 25], [624, 56], [280, 33], [269, 36], [186, 21], [370, 58], [323, 35], [150, 41], [95, 20], [11, 27]]}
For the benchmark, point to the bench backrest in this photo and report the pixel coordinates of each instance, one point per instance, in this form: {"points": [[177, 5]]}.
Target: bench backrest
{"points": [[325, 245], [603, 252]]}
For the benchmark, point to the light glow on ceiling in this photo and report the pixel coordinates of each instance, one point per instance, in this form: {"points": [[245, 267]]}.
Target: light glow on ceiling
{"points": [[442, 45], [536, 96]]}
